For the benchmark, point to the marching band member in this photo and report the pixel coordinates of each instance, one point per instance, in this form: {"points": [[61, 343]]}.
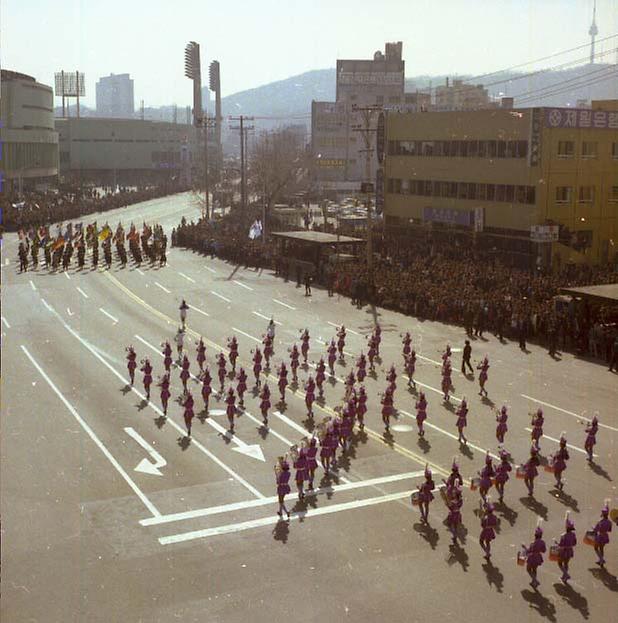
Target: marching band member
{"points": [[483, 367], [501, 428], [282, 479], [591, 437], [421, 413]]}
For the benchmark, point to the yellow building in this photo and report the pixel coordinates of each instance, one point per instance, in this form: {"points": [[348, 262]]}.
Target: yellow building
{"points": [[520, 178]]}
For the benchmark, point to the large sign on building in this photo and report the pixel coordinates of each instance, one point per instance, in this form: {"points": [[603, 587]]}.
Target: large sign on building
{"points": [[370, 78], [464, 218], [581, 118]]}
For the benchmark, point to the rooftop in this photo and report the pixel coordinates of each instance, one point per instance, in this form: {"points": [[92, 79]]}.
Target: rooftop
{"points": [[607, 293], [316, 237]]}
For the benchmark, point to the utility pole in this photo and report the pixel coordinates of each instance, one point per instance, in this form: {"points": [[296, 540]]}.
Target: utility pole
{"points": [[367, 132], [206, 122], [243, 128]]}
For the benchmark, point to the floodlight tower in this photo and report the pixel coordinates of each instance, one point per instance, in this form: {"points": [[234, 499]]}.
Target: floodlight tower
{"points": [[193, 71]]}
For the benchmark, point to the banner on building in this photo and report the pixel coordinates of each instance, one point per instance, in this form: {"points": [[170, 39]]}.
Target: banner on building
{"points": [[380, 190], [381, 137], [544, 233], [534, 153], [450, 216], [479, 219]]}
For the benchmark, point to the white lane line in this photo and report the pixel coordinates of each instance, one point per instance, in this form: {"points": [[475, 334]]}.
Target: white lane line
{"points": [[267, 521], [32, 285], [82, 292], [447, 433], [558, 441], [266, 318], [199, 311], [108, 315], [243, 285], [186, 277], [5, 322], [49, 307], [162, 287], [234, 506], [274, 433], [221, 296], [70, 312], [147, 503], [246, 335], [143, 341], [333, 324], [194, 442], [576, 415], [67, 275], [141, 272], [284, 304], [212, 270], [6, 261]]}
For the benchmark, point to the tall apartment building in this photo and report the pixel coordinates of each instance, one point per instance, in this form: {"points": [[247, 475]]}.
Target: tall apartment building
{"points": [[115, 96], [538, 185]]}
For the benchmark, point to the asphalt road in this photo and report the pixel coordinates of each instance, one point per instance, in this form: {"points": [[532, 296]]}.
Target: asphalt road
{"points": [[195, 537]]}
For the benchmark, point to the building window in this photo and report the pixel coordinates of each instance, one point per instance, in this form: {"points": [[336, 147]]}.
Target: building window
{"points": [[613, 194], [473, 149], [510, 193], [615, 151], [522, 149], [501, 149], [393, 99], [481, 192], [566, 149], [491, 192], [530, 195], [589, 149], [586, 194], [380, 99], [427, 148], [500, 192], [471, 191], [563, 194]]}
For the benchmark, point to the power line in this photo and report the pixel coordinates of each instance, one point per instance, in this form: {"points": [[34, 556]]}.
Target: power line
{"points": [[561, 83], [566, 89], [538, 60]]}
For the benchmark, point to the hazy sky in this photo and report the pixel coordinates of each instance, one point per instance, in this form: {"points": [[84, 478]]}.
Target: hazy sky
{"points": [[258, 41]]}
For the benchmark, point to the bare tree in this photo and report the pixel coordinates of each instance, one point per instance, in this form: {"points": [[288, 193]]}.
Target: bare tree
{"points": [[278, 166]]}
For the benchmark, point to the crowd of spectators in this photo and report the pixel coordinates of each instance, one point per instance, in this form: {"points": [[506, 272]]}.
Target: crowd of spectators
{"points": [[446, 281], [43, 208]]}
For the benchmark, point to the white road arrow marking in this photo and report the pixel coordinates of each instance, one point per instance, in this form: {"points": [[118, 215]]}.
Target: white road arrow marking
{"points": [[254, 451], [145, 465], [69, 311]]}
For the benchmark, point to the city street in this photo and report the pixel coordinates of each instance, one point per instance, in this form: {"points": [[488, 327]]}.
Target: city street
{"points": [[109, 513]]}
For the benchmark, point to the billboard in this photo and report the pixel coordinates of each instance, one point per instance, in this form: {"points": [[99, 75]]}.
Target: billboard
{"points": [[544, 233], [70, 84]]}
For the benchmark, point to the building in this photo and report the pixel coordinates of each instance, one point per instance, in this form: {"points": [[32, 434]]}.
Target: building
{"points": [[115, 96], [539, 185], [339, 164], [460, 96], [128, 151], [29, 140]]}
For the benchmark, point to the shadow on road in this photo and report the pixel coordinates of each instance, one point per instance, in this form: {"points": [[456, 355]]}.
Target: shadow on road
{"points": [[541, 604]]}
